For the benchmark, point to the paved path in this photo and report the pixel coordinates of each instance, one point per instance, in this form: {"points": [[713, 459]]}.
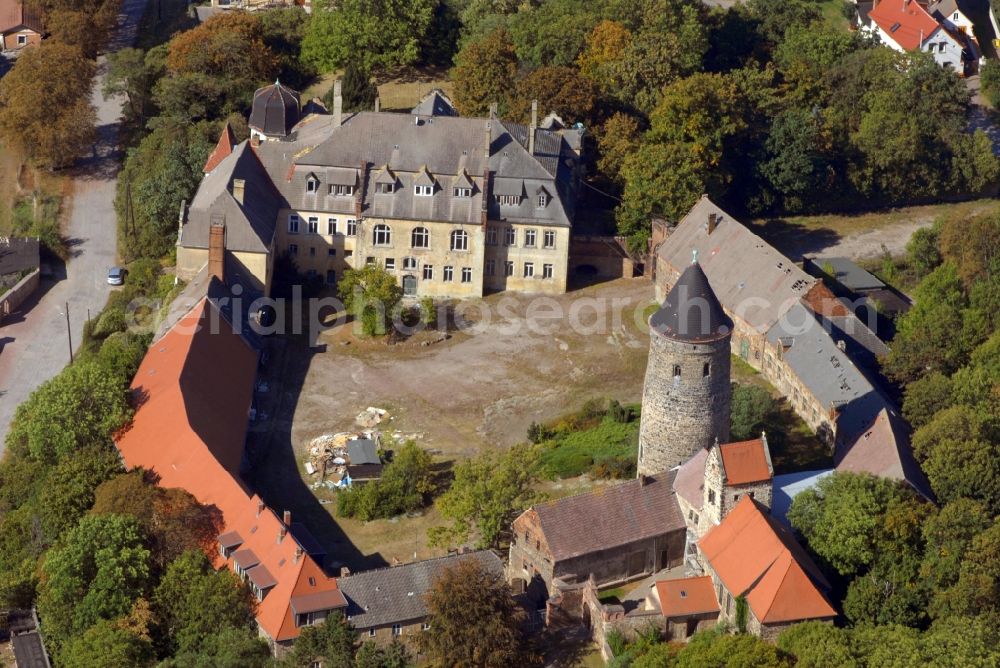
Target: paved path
{"points": [[33, 342]]}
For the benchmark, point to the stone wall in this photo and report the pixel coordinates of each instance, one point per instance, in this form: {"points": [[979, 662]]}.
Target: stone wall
{"points": [[607, 256], [682, 413], [13, 298], [529, 557], [626, 562]]}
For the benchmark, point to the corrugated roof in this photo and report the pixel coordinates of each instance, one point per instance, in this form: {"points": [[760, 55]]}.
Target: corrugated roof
{"points": [[194, 389], [906, 22], [396, 595], [610, 517], [756, 557], [687, 596]]}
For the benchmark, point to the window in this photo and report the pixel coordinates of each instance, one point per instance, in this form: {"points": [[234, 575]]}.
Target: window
{"points": [[423, 191], [491, 267], [549, 239], [293, 224], [543, 199], [425, 627], [397, 629], [371, 633], [463, 192], [955, 16], [546, 271], [381, 235], [529, 238], [491, 236], [529, 269], [22, 40], [313, 225], [342, 191], [942, 46], [508, 268], [312, 184], [390, 263], [420, 237], [509, 236], [466, 274], [677, 371], [508, 200], [736, 497], [352, 228], [369, 260], [459, 240], [729, 604], [449, 273], [409, 263], [293, 249], [348, 253], [711, 496], [331, 277], [383, 188], [331, 226], [428, 272], [706, 369], [331, 252], [312, 251]]}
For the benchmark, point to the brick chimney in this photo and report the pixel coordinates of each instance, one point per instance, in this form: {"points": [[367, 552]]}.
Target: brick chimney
{"points": [[260, 508], [298, 554], [282, 532], [713, 222], [338, 104], [217, 249], [533, 127], [239, 187]]}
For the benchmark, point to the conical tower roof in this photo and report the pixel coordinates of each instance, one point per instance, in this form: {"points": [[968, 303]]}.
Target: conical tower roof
{"points": [[692, 312], [275, 110]]}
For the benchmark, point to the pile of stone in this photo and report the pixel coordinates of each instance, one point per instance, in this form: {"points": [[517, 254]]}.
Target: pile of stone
{"points": [[328, 453]]}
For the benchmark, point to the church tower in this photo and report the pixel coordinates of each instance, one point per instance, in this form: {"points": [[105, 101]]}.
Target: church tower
{"points": [[686, 395]]}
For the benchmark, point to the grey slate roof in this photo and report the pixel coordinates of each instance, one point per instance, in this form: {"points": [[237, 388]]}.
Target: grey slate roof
{"points": [[435, 103], [848, 273], [610, 517], [691, 311], [275, 110], [749, 276], [396, 595], [249, 226]]}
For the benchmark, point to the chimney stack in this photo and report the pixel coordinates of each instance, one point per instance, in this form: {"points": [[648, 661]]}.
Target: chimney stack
{"points": [[338, 104], [239, 186], [643, 480], [713, 222], [260, 507], [378, 104], [286, 518], [533, 127], [298, 554], [282, 532], [217, 249]]}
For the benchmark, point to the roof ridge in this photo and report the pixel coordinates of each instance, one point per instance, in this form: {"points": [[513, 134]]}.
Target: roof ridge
{"points": [[382, 569]]}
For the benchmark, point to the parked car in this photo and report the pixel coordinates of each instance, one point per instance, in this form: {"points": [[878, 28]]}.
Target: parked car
{"points": [[116, 276]]}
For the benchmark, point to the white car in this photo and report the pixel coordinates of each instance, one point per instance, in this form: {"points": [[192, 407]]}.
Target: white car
{"points": [[116, 276]]}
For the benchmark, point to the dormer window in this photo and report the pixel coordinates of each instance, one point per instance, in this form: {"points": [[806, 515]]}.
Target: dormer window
{"points": [[508, 200], [543, 200], [342, 191], [312, 184], [463, 192], [384, 188], [423, 191]]}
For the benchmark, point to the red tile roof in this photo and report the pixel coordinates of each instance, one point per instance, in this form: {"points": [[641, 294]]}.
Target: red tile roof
{"points": [[227, 140], [906, 22], [194, 389], [756, 557], [687, 596], [745, 462], [14, 14]]}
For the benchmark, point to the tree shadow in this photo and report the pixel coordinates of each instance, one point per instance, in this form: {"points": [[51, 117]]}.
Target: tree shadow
{"points": [[795, 241]]}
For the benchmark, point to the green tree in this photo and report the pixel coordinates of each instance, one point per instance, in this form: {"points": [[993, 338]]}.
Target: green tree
{"points": [[406, 485], [562, 90], [371, 295], [228, 648], [69, 488], [395, 655], [817, 645], [714, 648], [616, 140], [552, 32], [605, 46], [58, 74], [751, 406], [977, 590], [925, 396], [384, 34], [100, 568], [484, 73], [960, 423], [989, 80], [356, 90], [132, 74], [965, 468], [81, 406], [195, 602], [947, 536], [474, 622], [922, 250], [106, 645], [331, 642], [798, 168], [486, 494]]}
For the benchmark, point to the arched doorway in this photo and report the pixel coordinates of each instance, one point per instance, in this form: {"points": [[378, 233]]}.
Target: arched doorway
{"points": [[409, 285]]}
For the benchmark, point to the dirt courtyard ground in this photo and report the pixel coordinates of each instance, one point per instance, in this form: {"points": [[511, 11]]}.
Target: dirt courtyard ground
{"points": [[483, 387]]}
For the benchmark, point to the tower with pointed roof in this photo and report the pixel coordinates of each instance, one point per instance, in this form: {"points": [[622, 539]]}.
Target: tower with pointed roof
{"points": [[275, 111], [686, 395]]}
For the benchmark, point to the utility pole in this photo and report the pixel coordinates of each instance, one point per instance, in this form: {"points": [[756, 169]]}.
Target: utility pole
{"points": [[69, 335]]}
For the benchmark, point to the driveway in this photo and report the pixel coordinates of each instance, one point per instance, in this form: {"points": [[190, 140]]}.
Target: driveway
{"points": [[33, 342]]}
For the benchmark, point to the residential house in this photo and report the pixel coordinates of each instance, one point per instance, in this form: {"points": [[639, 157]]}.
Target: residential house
{"points": [[615, 534], [789, 326], [451, 206], [20, 25], [194, 389], [908, 25], [389, 603]]}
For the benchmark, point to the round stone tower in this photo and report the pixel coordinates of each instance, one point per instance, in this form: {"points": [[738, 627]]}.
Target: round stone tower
{"points": [[686, 396]]}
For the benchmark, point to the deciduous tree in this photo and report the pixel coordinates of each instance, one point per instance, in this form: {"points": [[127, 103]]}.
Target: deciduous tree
{"points": [[557, 89], [371, 295], [484, 73]]}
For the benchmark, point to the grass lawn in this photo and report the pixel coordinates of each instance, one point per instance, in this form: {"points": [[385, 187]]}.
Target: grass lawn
{"points": [[580, 447], [833, 13]]}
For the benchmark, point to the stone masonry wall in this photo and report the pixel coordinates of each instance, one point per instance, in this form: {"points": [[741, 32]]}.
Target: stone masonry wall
{"points": [[681, 414]]}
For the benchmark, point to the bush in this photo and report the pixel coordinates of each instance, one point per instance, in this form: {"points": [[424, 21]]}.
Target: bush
{"points": [[989, 79], [428, 314], [406, 485], [539, 432], [750, 407]]}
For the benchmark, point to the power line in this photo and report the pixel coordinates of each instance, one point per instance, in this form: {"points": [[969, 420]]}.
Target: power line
{"points": [[598, 190]]}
